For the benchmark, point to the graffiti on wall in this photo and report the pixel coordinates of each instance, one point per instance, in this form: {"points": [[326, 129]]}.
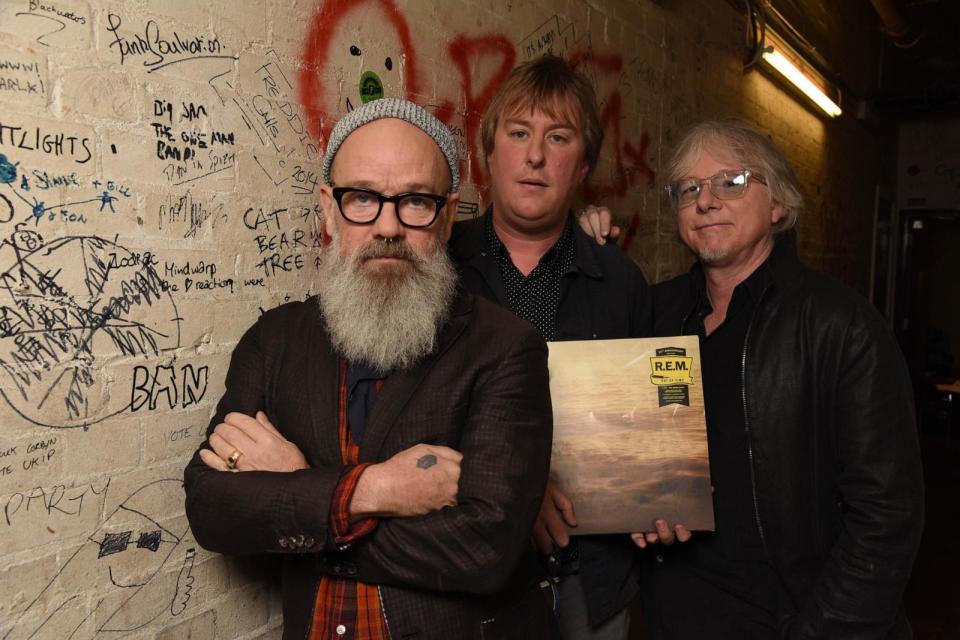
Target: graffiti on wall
{"points": [[57, 196], [285, 151], [120, 562], [156, 48], [480, 62], [91, 326], [48, 24], [66, 306]]}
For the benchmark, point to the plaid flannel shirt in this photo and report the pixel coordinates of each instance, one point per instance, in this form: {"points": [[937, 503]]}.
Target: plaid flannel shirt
{"points": [[347, 609]]}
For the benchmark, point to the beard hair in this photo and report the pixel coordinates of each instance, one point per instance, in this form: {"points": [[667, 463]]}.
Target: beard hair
{"points": [[386, 316], [712, 256]]}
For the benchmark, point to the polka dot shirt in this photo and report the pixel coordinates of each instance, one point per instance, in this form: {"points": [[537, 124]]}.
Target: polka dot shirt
{"points": [[535, 297]]}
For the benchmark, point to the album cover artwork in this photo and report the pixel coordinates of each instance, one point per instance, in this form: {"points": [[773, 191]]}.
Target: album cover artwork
{"points": [[629, 433]]}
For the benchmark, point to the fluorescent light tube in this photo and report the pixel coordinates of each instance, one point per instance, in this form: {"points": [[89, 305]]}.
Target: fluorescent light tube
{"points": [[788, 70]]}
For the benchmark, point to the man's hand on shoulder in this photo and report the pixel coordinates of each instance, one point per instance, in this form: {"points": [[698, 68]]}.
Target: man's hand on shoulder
{"points": [[556, 514], [414, 482], [597, 222], [253, 444], [662, 533]]}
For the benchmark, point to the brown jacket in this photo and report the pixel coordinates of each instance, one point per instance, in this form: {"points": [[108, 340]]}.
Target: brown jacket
{"points": [[463, 572]]}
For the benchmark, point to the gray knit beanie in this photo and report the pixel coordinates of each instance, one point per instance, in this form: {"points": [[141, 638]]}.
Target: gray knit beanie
{"points": [[402, 110]]}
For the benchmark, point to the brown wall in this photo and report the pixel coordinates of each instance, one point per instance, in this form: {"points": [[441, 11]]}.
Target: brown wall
{"points": [[839, 161]]}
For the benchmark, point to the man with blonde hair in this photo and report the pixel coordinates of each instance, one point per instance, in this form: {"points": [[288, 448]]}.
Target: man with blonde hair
{"points": [[541, 138]]}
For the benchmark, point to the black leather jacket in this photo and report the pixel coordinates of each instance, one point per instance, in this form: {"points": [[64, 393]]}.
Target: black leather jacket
{"points": [[837, 478], [603, 296]]}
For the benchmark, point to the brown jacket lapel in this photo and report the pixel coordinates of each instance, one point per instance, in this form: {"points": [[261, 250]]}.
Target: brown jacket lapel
{"points": [[399, 387], [322, 388]]}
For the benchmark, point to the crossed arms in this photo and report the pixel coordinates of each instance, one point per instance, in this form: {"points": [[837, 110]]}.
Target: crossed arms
{"points": [[422, 539]]}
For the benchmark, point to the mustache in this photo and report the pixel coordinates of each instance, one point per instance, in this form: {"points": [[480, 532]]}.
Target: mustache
{"points": [[399, 249]]}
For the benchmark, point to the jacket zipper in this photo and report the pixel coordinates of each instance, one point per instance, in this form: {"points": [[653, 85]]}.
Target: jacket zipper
{"points": [[383, 610], [746, 420]]}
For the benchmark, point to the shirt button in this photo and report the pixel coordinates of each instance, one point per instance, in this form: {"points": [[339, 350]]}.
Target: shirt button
{"points": [[341, 629], [659, 558]]}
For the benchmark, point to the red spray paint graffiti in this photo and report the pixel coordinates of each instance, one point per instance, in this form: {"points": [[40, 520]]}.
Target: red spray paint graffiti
{"points": [[611, 114], [463, 51], [626, 239], [317, 52], [468, 53]]}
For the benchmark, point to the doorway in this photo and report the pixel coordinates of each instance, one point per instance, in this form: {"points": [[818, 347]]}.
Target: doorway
{"points": [[927, 323], [927, 308]]}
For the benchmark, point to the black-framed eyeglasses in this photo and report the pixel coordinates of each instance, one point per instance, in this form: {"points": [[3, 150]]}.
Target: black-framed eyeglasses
{"points": [[363, 206], [726, 185]]}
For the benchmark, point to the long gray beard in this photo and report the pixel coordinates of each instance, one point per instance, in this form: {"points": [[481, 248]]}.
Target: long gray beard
{"points": [[387, 317]]}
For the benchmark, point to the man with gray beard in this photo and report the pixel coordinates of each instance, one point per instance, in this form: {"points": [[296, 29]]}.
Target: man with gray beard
{"points": [[387, 318], [408, 440]]}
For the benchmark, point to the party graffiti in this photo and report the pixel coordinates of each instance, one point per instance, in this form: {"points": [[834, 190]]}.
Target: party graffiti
{"points": [[122, 559]]}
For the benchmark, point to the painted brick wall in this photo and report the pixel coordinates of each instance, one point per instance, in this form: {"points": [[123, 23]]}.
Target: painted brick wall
{"points": [[158, 178]]}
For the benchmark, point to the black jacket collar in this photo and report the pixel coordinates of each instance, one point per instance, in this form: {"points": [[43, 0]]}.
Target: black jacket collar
{"points": [[468, 245], [782, 269]]}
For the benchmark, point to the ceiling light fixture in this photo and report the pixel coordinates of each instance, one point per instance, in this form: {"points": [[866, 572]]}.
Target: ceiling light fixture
{"points": [[791, 65]]}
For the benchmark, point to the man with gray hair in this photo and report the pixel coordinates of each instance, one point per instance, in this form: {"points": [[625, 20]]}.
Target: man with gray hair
{"points": [[408, 440], [818, 489]]}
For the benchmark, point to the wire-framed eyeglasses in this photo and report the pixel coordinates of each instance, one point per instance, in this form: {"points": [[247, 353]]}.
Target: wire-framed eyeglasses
{"points": [[726, 185], [363, 206]]}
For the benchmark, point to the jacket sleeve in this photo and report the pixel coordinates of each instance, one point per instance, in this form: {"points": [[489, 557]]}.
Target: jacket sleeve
{"points": [[880, 493], [641, 317], [256, 511], [474, 547]]}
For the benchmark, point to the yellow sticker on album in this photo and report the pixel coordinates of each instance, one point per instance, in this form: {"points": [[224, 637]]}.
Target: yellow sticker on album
{"points": [[671, 370]]}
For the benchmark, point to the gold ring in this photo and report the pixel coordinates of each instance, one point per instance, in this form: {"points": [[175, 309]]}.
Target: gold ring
{"points": [[233, 458]]}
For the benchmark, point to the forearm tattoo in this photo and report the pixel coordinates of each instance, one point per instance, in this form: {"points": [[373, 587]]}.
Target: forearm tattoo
{"points": [[427, 461]]}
